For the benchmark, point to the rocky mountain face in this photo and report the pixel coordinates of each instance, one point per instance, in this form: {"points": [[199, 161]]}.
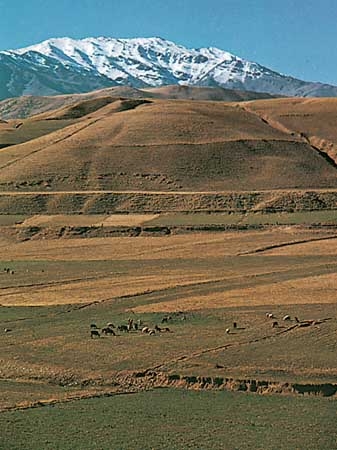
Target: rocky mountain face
{"points": [[64, 65]]}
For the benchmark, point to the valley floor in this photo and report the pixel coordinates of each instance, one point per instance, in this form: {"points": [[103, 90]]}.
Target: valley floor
{"points": [[209, 294]]}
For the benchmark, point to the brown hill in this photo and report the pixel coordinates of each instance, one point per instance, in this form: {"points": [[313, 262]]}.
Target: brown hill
{"points": [[27, 106], [314, 120], [204, 93], [159, 145]]}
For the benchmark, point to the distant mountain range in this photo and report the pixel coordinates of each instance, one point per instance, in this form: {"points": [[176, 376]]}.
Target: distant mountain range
{"points": [[65, 66]]}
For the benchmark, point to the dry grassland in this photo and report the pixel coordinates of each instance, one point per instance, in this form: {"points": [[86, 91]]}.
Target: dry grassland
{"points": [[210, 280], [75, 220], [160, 145]]}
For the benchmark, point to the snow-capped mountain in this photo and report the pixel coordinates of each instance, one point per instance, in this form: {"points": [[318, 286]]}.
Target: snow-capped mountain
{"points": [[65, 65]]}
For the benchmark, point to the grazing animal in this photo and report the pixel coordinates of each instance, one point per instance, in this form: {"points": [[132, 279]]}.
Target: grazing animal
{"points": [[108, 330], [130, 324], [123, 328], [7, 330], [286, 317], [235, 325], [162, 330], [270, 316], [110, 325], [145, 330], [151, 332], [94, 333], [165, 319], [228, 330], [275, 324]]}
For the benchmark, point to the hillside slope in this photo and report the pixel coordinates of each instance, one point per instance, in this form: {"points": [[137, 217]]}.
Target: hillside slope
{"points": [[163, 145], [28, 105]]}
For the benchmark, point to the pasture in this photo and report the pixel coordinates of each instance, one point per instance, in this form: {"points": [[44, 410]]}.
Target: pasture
{"points": [[212, 291], [169, 419]]}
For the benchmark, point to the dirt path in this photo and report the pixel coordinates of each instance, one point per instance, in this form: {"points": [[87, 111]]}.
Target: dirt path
{"points": [[286, 244], [164, 366]]}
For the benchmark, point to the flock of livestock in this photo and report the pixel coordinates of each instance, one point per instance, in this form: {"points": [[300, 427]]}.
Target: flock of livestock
{"points": [[138, 326], [132, 326], [296, 320]]}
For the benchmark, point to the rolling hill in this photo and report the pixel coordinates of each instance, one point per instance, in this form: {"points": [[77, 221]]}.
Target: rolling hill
{"points": [[28, 105], [154, 144]]}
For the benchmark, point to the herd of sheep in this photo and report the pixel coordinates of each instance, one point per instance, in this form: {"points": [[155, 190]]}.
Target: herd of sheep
{"points": [[132, 325]]}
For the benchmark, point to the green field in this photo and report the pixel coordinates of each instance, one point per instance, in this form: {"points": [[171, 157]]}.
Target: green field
{"points": [[251, 218], [11, 219], [168, 419]]}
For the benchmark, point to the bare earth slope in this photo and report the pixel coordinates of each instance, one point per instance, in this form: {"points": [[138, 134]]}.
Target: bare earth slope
{"points": [[162, 145], [29, 105], [314, 120]]}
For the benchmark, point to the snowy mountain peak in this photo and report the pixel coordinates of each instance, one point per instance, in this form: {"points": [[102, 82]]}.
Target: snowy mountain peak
{"points": [[154, 61], [65, 65]]}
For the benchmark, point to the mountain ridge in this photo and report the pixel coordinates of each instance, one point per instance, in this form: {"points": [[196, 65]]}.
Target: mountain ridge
{"points": [[65, 65]]}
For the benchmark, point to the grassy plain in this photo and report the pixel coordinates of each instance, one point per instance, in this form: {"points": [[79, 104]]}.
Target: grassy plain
{"points": [[205, 282], [175, 420], [60, 286]]}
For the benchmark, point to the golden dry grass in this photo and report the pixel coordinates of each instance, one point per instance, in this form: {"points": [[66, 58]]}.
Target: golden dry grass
{"points": [[163, 145], [308, 290], [75, 220], [195, 245], [211, 279], [196, 271]]}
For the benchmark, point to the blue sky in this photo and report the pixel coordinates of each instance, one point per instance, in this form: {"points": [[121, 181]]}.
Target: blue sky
{"points": [[295, 37]]}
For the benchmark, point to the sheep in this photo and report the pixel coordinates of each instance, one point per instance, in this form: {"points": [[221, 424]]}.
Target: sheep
{"points": [[162, 330], [145, 330], [228, 330], [7, 330], [166, 319], [275, 324], [94, 333], [270, 316], [151, 332], [108, 330], [110, 325], [123, 328], [167, 330], [286, 317], [130, 324]]}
